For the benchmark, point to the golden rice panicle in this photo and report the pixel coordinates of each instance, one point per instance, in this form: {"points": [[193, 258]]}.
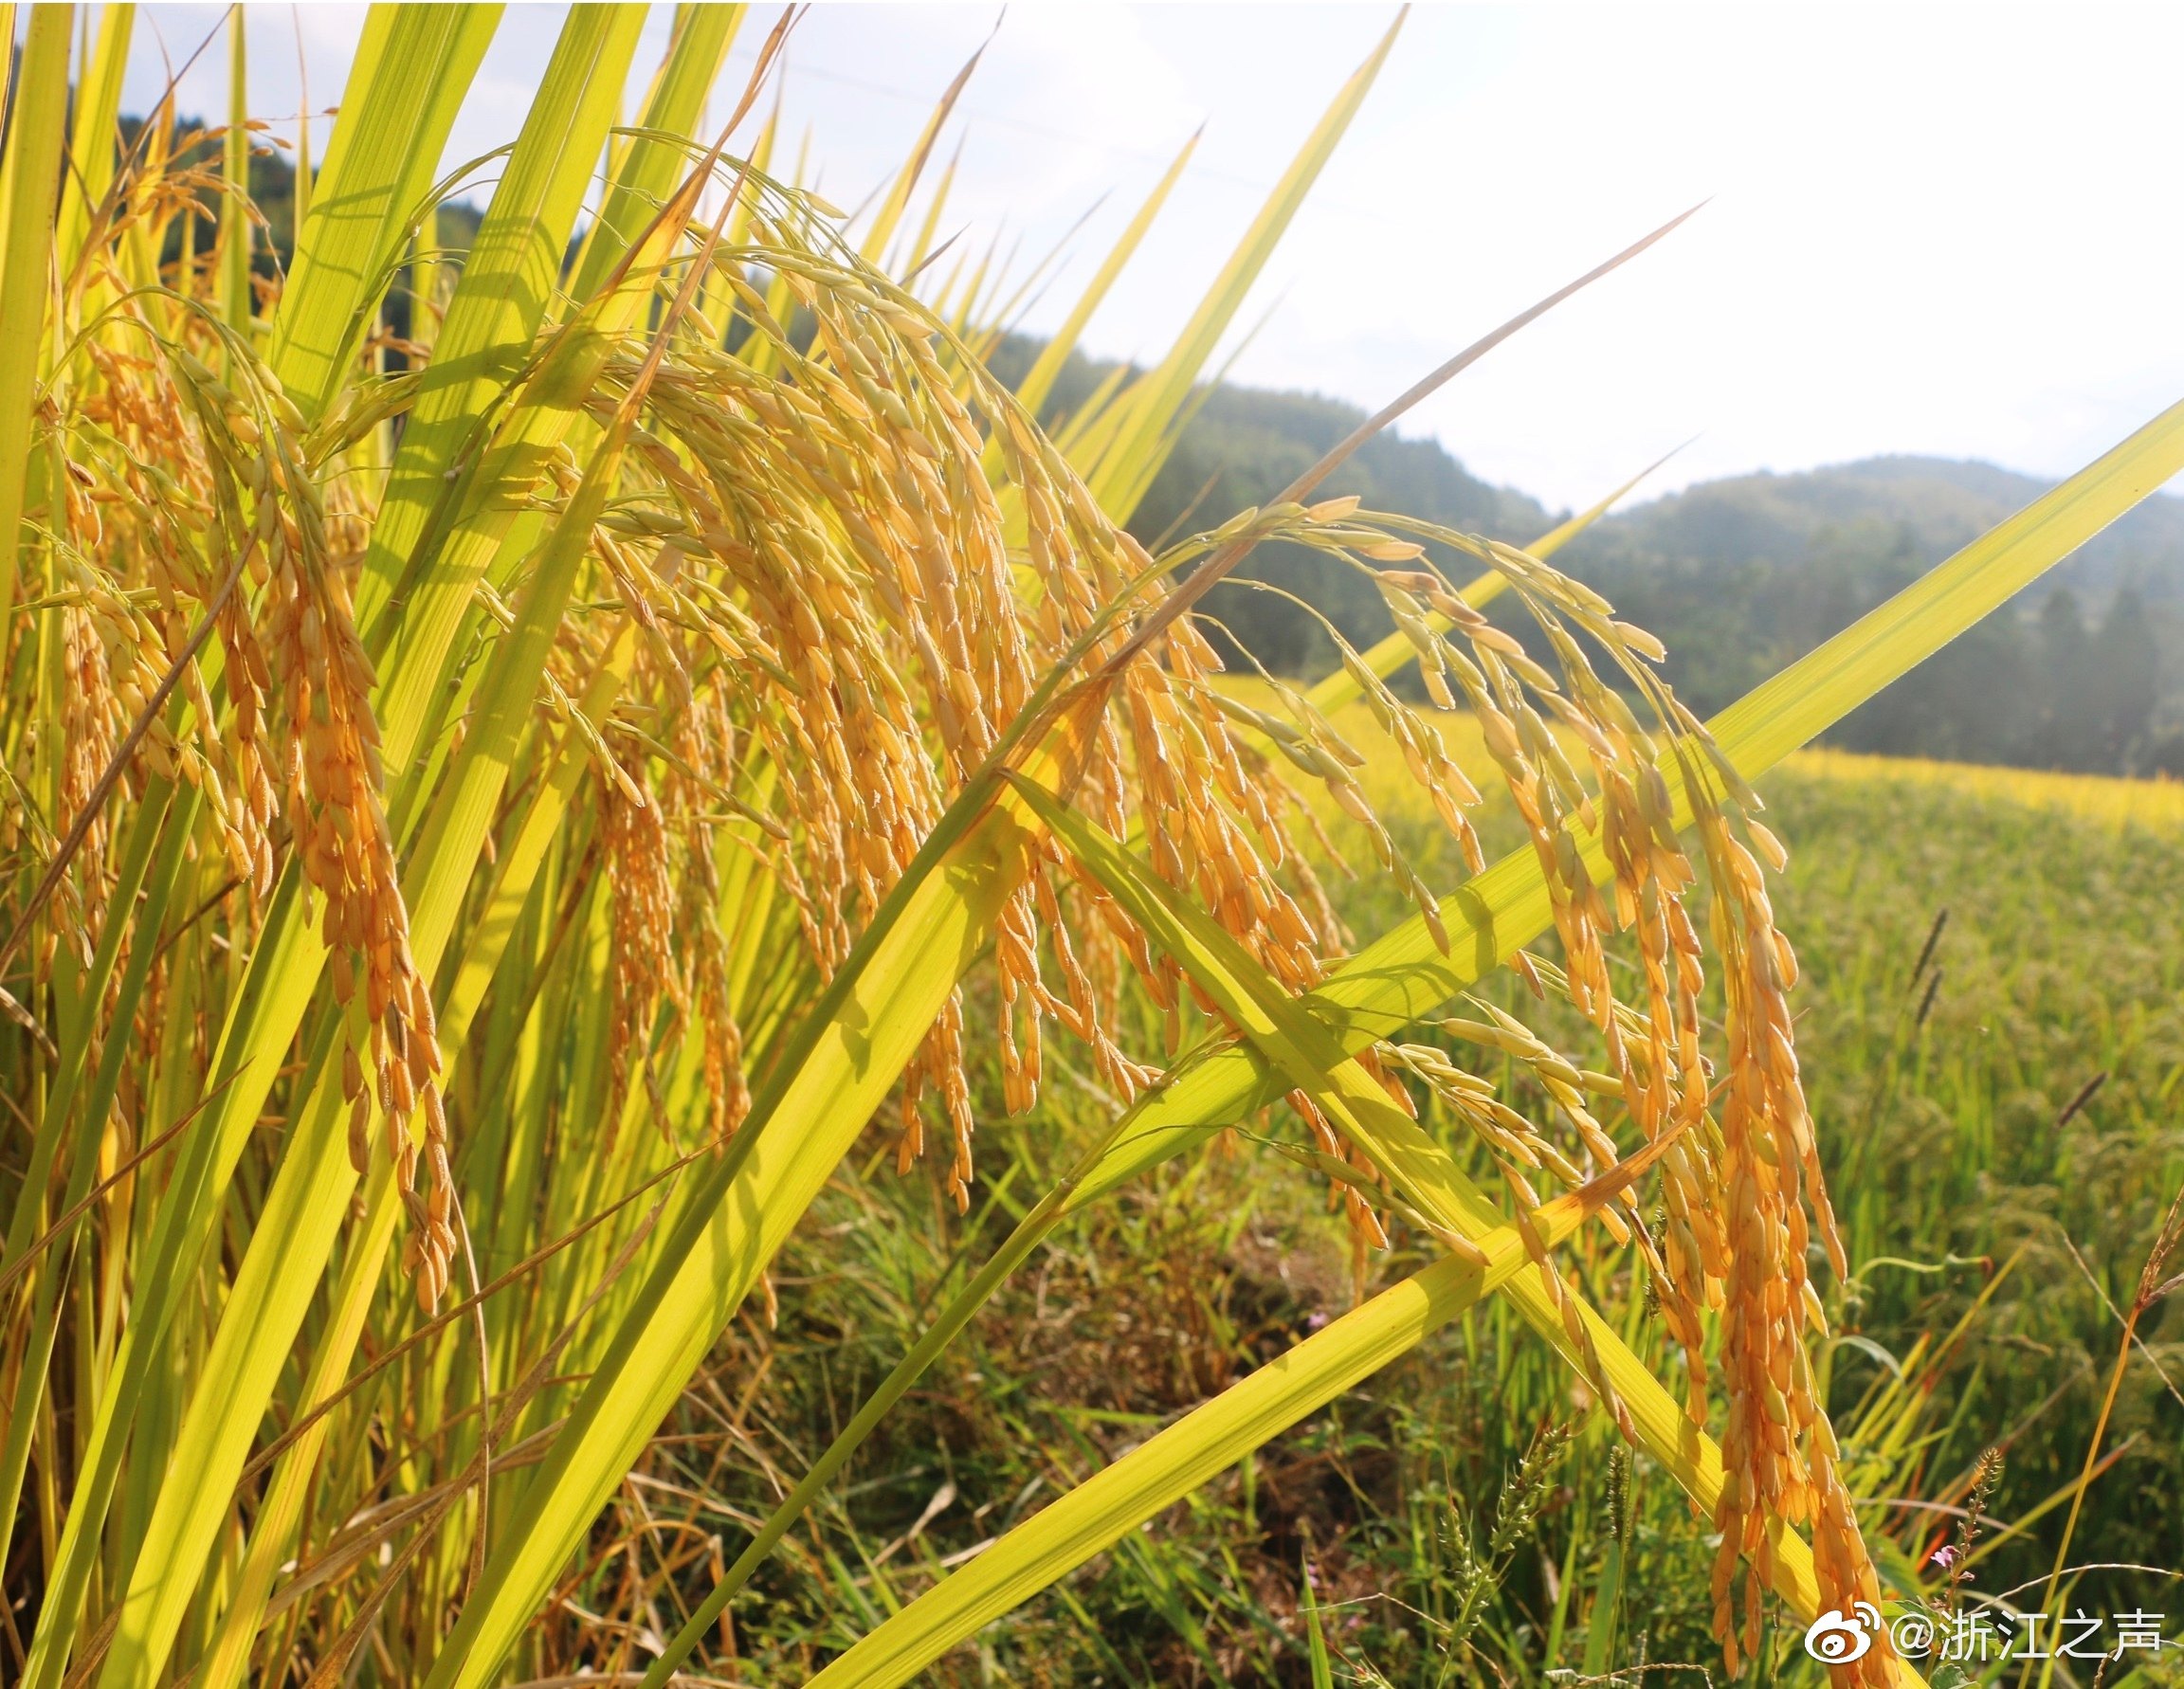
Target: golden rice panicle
{"points": [[707, 745], [344, 842], [1505, 689], [1507, 1135], [840, 485], [1494, 675], [170, 450], [811, 492], [1582, 1351], [1737, 1200], [641, 895], [91, 729], [1752, 1246], [1748, 1229], [1778, 1452], [1178, 742], [1657, 1058], [1663, 1071], [1496, 681], [1778, 1449]]}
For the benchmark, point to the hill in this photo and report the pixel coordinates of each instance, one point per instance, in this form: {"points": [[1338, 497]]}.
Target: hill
{"points": [[2085, 671], [1738, 576], [1240, 448], [1931, 505]]}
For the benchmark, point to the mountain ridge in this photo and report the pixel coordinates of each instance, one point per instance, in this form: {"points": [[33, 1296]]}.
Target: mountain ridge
{"points": [[1945, 501], [1739, 575]]}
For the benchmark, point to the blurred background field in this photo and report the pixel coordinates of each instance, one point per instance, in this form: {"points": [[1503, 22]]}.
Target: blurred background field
{"points": [[2155, 805]]}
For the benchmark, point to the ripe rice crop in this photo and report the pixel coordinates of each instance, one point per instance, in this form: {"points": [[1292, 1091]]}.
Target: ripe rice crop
{"points": [[2157, 805], [546, 779]]}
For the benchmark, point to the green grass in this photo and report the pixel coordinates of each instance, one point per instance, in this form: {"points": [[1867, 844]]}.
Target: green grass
{"points": [[2063, 959]]}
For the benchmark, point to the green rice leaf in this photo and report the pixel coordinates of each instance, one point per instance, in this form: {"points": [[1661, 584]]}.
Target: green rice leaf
{"points": [[37, 124], [92, 131], [155, 876], [411, 73], [1315, 1638], [652, 163], [235, 232], [484, 346], [246, 1062]]}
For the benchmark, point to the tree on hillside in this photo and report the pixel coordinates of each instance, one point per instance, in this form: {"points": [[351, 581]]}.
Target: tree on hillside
{"points": [[2126, 683]]}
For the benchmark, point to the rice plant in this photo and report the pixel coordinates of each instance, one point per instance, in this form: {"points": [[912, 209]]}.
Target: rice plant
{"points": [[511, 783]]}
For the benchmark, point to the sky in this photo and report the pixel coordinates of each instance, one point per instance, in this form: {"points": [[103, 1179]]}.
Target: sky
{"points": [[1941, 230]]}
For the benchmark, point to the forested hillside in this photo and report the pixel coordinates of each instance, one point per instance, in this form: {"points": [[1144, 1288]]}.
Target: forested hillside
{"points": [[1738, 576]]}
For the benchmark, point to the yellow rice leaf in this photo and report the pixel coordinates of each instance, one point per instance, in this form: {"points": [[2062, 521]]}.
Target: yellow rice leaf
{"points": [[37, 121], [443, 551], [651, 162], [1040, 382], [92, 132], [905, 183]]}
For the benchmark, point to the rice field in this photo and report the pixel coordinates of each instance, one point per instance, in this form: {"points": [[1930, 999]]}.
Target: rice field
{"points": [[2152, 805], [663, 1020], [2156, 806]]}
